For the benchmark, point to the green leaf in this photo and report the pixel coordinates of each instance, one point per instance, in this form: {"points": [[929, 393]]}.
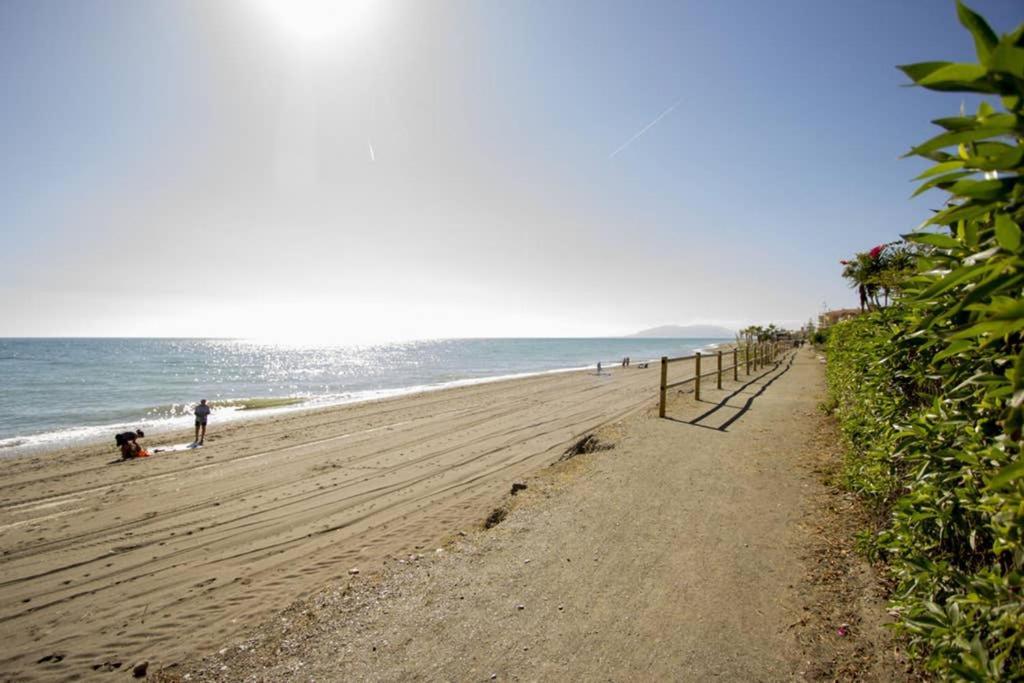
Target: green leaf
{"points": [[1008, 59], [1007, 233], [938, 169], [1007, 474], [995, 156], [951, 74], [970, 233], [956, 122], [951, 280], [921, 69], [984, 37], [997, 126], [957, 212], [993, 328], [934, 239], [953, 349], [981, 189], [947, 179]]}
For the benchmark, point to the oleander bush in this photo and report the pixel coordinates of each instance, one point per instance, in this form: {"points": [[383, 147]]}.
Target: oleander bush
{"points": [[929, 391]]}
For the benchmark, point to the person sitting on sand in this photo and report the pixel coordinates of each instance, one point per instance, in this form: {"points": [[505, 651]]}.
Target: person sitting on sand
{"points": [[202, 412], [129, 445]]}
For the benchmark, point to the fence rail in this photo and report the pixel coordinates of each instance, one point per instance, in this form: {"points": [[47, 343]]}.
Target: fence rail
{"points": [[755, 355]]}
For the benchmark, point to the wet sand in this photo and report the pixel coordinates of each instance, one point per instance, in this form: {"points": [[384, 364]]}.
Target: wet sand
{"points": [[108, 563]]}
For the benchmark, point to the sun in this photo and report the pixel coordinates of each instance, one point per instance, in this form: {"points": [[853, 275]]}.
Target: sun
{"points": [[318, 22]]}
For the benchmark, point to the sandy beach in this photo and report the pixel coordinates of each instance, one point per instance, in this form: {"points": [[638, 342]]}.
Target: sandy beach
{"points": [[107, 563]]}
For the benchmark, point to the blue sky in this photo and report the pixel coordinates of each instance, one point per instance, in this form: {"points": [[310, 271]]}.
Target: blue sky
{"points": [[205, 168]]}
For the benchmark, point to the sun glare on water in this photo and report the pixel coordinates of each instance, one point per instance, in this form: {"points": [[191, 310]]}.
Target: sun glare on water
{"points": [[314, 23]]}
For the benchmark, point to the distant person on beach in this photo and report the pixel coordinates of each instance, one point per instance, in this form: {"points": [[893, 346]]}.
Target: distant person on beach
{"points": [[599, 367], [129, 444], [202, 412]]}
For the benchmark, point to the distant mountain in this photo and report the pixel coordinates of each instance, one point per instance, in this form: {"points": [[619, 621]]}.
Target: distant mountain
{"points": [[686, 332]]}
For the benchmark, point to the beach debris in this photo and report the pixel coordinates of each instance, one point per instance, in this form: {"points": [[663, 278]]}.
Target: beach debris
{"points": [[139, 670], [462, 533], [587, 444], [50, 658], [494, 676], [496, 517], [843, 630], [520, 607], [353, 571], [517, 487]]}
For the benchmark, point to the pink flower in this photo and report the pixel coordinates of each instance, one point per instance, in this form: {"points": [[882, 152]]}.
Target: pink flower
{"points": [[844, 263], [877, 251]]}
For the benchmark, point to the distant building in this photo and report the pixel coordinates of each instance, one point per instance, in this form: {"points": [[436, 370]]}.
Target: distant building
{"points": [[830, 318]]}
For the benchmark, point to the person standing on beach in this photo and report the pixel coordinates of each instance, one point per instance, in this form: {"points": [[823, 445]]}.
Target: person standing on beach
{"points": [[202, 412]]}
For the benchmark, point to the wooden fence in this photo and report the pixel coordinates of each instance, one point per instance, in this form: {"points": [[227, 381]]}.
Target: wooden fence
{"points": [[755, 356]]}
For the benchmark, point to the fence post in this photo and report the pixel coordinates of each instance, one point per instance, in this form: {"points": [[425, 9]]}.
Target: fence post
{"points": [[719, 369], [735, 364], [696, 382], [664, 381], [746, 353]]}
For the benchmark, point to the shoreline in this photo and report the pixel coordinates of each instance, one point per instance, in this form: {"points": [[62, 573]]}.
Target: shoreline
{"points": [[49, 438], [34, 444]]}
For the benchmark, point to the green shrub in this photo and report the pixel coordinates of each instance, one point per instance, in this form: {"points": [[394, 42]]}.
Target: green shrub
{"points": [[930, 391]]}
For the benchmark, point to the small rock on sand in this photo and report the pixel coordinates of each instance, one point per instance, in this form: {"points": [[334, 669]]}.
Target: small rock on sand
{"points": [[353, 571], [139, 670]]}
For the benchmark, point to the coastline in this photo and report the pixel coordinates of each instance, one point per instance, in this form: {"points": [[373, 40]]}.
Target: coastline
{"points": [[163, 428], [152, 419]]}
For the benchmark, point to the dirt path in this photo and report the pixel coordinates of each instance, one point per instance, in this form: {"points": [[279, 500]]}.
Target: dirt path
{"points": [[679, 555]]}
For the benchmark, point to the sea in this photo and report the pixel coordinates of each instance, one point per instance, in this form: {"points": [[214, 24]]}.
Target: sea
{"points": [[55, 392]]}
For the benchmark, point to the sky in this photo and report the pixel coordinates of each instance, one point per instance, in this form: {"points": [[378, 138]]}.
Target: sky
{"points": [[363, 171]]}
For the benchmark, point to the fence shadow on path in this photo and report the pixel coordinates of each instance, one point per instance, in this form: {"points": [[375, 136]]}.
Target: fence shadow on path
{"points": [[741, 410]]}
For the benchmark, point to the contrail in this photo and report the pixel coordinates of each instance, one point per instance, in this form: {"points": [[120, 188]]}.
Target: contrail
{"points": [[373, 157], [646, 128]]}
